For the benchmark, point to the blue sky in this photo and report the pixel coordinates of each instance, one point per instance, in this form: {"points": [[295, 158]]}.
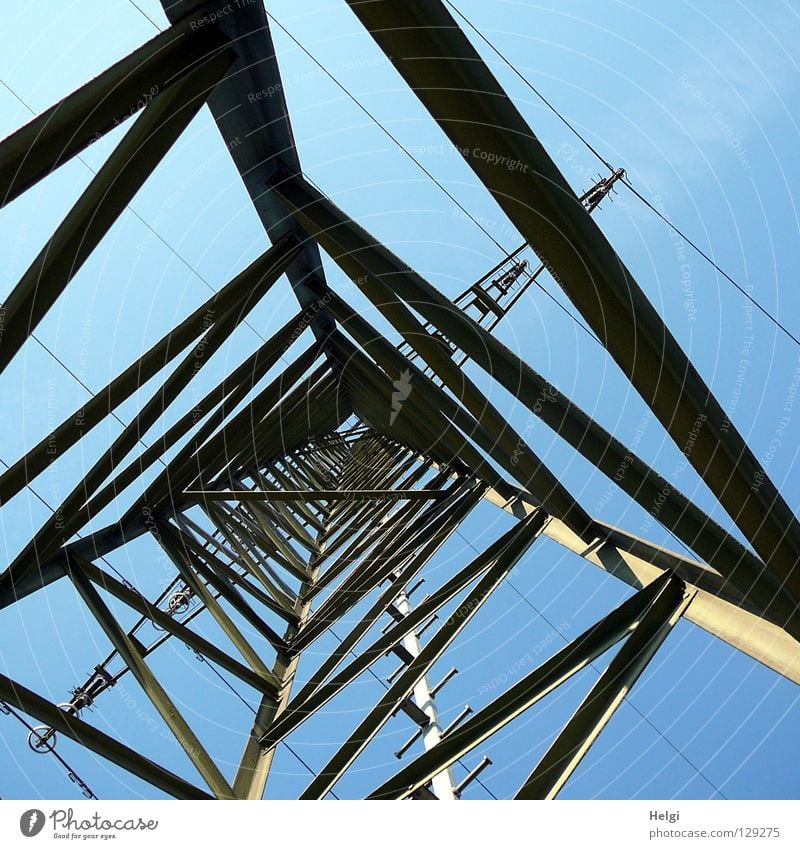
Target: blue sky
{"points": [[696, 102]]}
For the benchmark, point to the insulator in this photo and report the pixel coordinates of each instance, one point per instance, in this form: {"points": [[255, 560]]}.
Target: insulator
{"points": [[42, 739], [83, 697], [101, 671], [84, 787], [128, 585], [179, 601]]}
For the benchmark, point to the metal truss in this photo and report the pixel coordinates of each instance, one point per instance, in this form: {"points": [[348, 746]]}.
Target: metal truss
{"points": [[287, 502]]}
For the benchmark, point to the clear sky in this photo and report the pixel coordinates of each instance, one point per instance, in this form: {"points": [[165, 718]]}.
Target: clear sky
{"points": [[698, 102]]}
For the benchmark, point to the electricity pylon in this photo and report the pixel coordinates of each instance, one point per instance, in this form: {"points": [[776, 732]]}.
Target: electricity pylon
{"points": [[286, 502]]}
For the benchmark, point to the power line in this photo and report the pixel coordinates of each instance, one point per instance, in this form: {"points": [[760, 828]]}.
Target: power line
{"points": [[429, 174], [386, 131], [169, 247], [396, 141], [708, 259], [253, 711], [71, 773], [83, 384], [77, 533], [486, 232], [591, 333], [625, 698], [140, 9], [130, 209], [530, 85], [627, 182]]}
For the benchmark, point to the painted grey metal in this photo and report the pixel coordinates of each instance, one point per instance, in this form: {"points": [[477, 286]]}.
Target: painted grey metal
{"points": [[430, 51], [86, 735], [515, 544], [362, 257], [114, 185], [286, 506], [533, 687], [149, 683], [69, 126], [563, 756]]}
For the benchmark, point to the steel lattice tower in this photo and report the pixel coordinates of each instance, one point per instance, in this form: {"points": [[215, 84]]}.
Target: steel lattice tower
{"points": [[283, 505]]}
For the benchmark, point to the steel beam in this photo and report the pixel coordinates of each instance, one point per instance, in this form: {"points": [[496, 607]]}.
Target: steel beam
{"points": [[283, 598], [375, 569], [198, 561], [381, 605], [79, 506], [111, 189], [378, 530], [219, 572], [717, 607], [130, 653], [505, 443], [72, 124], [533, 687], [83, 420], [250, 110], [168, 623], [569, 748], [107, 747], [433, 55], [182, 561], [316, 494], [516, 543], [361, 256], [314, 697]]}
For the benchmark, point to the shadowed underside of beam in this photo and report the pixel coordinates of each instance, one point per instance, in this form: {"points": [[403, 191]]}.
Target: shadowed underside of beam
{"points": [[316, 494]]}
